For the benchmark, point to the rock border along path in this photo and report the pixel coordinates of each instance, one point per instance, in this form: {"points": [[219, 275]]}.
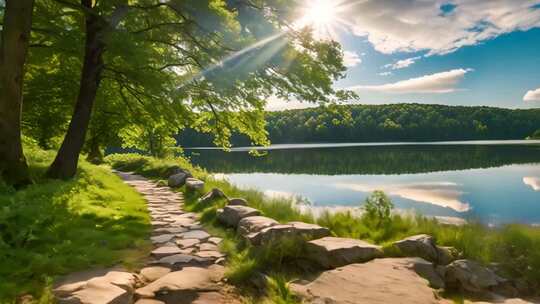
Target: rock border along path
{"points": [[184, 266]]}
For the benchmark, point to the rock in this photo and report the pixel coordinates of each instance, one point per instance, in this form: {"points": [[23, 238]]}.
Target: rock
{"points": [[208, 247], [178, 180], [172, 171], [215, 240], [421, 245], [149, 301], [187, 243], [153, 273], [171, 230], [237, 202], [214, 194], [164, 251], [254, 224], [180, 258], [163, 238], [99, 293], [424, 246], [471, 276], [333, 252], [427, 271], [292, 229], [115, 287], [378, 281], [231, 215], [446, 255], [194, 184], [196, 234], [210, 254], [188, 279]]}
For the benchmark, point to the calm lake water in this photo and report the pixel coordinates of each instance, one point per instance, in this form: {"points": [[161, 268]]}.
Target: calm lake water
{"points": [[494, 182]]}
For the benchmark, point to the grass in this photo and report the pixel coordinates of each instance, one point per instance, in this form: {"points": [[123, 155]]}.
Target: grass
{"points": [[514, 248], [56, 227]]}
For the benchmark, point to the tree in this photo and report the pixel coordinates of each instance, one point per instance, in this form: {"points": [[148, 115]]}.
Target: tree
{"points": [[205, 64], [17, 22]]}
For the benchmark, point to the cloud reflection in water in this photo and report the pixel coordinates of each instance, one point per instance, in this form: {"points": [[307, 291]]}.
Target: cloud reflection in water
{"points": [[533, 182], [444, 194]]}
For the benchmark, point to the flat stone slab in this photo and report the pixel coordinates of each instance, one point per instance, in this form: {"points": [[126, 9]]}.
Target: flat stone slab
{"points": [[163, 238], [333, 252], [164, 251], [208, 247], [114, 287], [173, 230], [196, 234], [153, 273], [186, 243], [215, 240], [210, 254], [374, 282], [187, 279], [180, 258]]}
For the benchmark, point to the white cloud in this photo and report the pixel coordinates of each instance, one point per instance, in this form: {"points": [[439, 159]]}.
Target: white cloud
{"points": [[444, 82], [532, 95], [401, 64], [385, 73], [416, 25], [351, 59]]}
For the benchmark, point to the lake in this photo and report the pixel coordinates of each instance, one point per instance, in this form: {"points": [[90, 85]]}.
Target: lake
{"points": [[490, 181]]}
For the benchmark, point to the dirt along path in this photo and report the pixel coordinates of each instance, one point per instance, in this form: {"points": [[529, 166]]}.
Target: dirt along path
{"points": [[184, 266]]}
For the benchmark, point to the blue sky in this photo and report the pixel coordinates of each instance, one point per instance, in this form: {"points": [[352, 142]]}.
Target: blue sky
{"points": [[461, 52]]}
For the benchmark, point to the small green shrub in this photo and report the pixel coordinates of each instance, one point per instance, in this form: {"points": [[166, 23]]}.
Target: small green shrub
{"points": [[378, 208]]}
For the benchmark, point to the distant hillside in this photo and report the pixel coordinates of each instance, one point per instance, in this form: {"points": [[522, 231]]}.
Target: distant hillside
{"points": [[393, 122]]}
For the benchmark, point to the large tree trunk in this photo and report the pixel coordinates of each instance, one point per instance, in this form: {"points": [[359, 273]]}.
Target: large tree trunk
{"points": [[13, 49], [65, 163]]}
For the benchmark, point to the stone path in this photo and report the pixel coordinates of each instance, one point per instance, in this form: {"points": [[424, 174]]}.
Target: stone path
{"points": [[184, 266]]}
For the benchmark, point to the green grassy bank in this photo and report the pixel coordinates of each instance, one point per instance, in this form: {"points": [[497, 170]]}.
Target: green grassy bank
{"points": [[514, 248], [56, 227]]}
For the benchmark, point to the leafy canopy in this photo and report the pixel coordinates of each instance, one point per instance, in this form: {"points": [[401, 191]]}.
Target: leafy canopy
{"points": [[208, 64]]}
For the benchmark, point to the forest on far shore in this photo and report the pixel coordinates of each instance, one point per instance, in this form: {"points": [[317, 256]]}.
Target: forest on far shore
{"points": [[390, 122]]}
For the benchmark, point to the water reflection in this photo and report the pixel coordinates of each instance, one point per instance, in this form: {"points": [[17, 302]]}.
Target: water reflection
{"points": [[533, 182], [493, 184], [443, 194], [368, 159]]}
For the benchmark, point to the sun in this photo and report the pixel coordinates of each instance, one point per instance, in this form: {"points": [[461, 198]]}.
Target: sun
{"points": [[321, 12], [321, 16]]}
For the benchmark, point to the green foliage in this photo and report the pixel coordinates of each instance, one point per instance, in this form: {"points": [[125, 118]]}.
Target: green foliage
{"points": [[378, 208], [173, 65], [278, 290], [392, 122], [55, 227], [149, 166]]}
